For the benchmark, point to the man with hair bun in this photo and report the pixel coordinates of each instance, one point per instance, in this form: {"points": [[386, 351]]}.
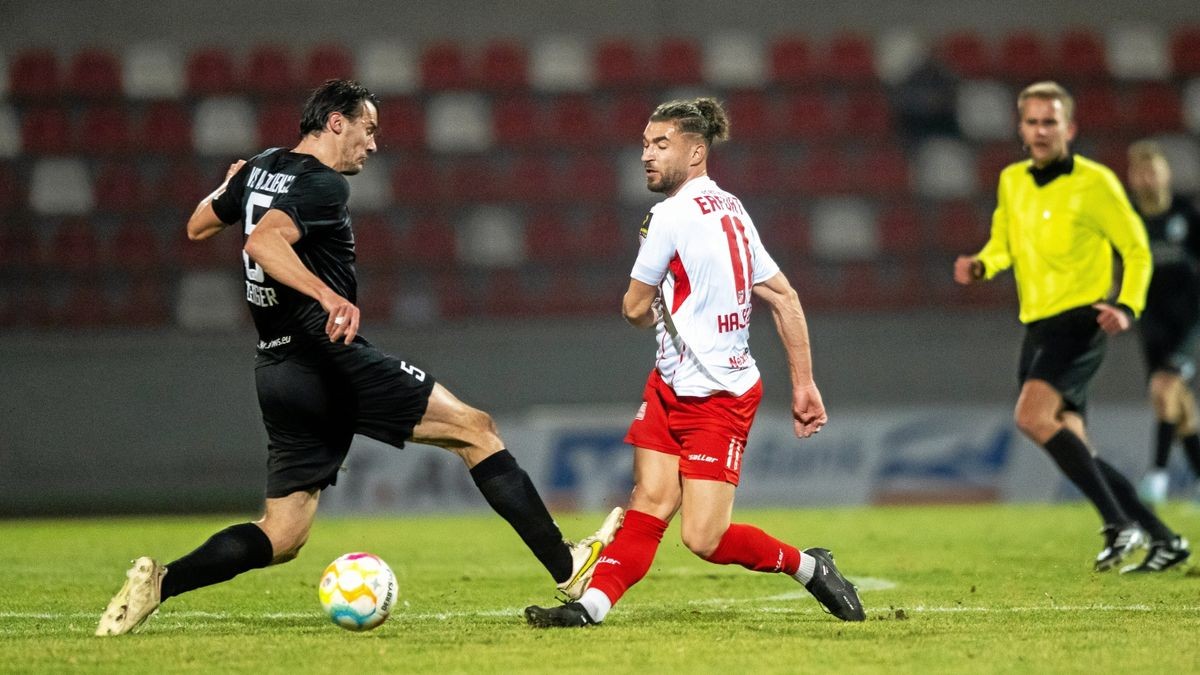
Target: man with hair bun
{"points": [[701, 262]]}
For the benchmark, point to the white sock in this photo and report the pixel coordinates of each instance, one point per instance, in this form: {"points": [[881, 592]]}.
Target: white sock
{"points": [[808, 565], [596, 603]]}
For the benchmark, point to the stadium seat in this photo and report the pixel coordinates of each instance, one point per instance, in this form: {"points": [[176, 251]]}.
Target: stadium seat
{"points": [[470, 179], [144, 302], [20, 246], [10, 132], [505, 295], [269, 71], [734, 60], [960, 227], [104, 129], [516, 121], [985, 110], [210, 72], [883, 171], [676, 61], [401, 124], [560, 63], [965, 54], [867, 114], [824, 170], [390, 66], [491, 236], [208, 300], [844, 229], [166, 128], [415, 180], [991, 159], [94, 74], [604, 236], [221, 252], [549, 238], [752, 116], [458, 122], [86, 306], [944, 168], [1097, 108], [899, 51], [34, 74], [504, 66], [1154, 108], [618, 65], [531, 178], [181, 186], [590, 177], [1138, 53], [573, 121], [119, 188], [327, 62], [60, 186], [444, 67], [429, 242], [760, 174], [626, 118], [849, 57], [1023, 58], [152, 71], [134, 247], [808, 115], [377, 295], [371, 190], [1191, 105], [46, 130], [224, 127], [1185, 51], [74, 246], [900, 231], [374, 241], [12, 191], [1081, 56], [278, 124], [786, 233], [791, 61]]}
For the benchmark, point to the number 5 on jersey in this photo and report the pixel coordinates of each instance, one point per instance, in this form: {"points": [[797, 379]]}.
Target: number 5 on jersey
{"points": [[253, 215]]}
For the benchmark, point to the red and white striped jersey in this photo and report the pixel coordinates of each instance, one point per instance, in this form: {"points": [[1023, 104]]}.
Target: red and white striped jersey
{"points": [[702, 250]]}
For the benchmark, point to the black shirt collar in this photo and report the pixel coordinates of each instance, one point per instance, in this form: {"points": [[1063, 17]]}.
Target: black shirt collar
{"points": [[1060, 167]]}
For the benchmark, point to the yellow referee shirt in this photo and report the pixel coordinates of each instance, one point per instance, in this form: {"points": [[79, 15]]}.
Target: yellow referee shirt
{"points": [[1059, 237]]}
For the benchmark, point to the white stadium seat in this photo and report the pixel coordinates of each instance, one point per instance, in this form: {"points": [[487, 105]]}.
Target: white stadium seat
{"points": [[152, 71], [844, 229], [491, 236], [985, 110], [945, 169], [60, 186], [370, 190], [388, 68], [1183, 154], [898, 52], [209, 300], [735, 60], [458, 122], [1138, 53], [560, 63], [224, 126]]}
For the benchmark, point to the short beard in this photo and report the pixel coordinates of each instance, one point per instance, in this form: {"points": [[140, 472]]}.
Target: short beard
{"points": [[667, 182]]}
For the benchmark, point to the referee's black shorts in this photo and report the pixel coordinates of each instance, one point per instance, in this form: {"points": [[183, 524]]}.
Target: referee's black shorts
{"points": [[1064, 350], [313, 404]]}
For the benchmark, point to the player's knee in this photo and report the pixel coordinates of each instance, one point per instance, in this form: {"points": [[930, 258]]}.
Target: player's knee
{"points": [[1032, 422], [700, 540], [288, 547]]}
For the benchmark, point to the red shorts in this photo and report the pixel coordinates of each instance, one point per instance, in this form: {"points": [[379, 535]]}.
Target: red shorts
{"points": [[708, 433]]}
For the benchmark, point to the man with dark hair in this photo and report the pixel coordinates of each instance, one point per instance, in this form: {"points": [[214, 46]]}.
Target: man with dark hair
{"points": [[1058, 218], [700, 264], [1170, 325], [318, 381]]}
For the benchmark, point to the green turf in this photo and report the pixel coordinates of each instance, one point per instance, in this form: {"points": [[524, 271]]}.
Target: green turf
{"points": [[947, 589]]}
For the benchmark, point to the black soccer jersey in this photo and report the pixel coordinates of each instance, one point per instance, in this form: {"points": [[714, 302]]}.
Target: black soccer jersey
{"points": [[1175, 245], [315, 197]]}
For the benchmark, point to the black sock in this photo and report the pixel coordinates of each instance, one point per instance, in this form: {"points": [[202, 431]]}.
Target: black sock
{"points": [[1076, 461], [1163, 438], [1191, 445], [508, 490], [226, 554], [1127, 497]]}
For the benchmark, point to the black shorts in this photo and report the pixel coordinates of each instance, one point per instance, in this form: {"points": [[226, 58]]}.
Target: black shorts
{"points": [[313, 404], [1169, 341], [1064, 350]]}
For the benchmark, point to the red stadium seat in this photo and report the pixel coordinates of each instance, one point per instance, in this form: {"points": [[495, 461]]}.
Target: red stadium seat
{"points": [[278, 124], [883, 171], [516, 121], [86, 306], [590, 177], [166, 127], [849, 57], [12, 190], [531, 178], [808, 115], [415, 181], [429, 241], [401, 124], [1081, 56], [786, 233], [506, 295], [868, 113], [548, 238], [135, 247], [504, 66], [210, 71], [144, 303], [762, 174], [223, 251], [73, 246], [677, 61], [1185, 51], [751, 115], [269, 71], [627, 117], [94, 73], [46, 131], [792, 62], [618, 65], [900, 231], [1023, 58], [444, 66], [992, 159], [823, 171], [374, 241], [1097, 108], [960, 227], [471, 179], [20, 246], [105, 129], [605, 237], [1154, 108], [573, 121], [327, 62], [33, 74], [965, 54], [181, 186], [119, 188]]}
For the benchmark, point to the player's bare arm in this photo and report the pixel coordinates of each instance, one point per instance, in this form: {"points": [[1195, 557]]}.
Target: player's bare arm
{"points": [[204, 222], [808, 410], [967, 270], [638, 304], [270, 245]]}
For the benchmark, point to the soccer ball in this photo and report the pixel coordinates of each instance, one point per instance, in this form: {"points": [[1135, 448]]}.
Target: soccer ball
{"points": [[357, 591]]}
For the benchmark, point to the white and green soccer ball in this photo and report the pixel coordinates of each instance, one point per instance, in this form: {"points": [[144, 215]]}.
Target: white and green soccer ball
{"points": [[358, 591]]}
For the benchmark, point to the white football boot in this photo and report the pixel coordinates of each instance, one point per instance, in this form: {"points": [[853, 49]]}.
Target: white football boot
{"points": [[586, 552], [137, 599]]}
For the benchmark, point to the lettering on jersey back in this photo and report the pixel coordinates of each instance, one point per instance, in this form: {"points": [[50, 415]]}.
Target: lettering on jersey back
{"points": [[263, 296], [266, 181], [709, 203]]}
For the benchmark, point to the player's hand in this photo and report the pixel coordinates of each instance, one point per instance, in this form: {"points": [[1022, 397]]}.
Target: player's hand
{"points": [[343, 318], [1111, 318], [967, 270], [808, 411]]}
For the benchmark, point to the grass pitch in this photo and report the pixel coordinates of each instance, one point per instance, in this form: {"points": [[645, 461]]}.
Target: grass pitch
{"points": [[947, 589]]}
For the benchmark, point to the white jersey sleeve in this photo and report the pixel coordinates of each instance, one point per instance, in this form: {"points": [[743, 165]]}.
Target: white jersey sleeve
{"points": [[657, 249]]}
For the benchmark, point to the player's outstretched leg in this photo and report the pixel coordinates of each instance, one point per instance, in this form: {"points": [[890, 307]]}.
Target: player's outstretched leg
{"points": [[830, 588], [138, 598], [586, 552]]}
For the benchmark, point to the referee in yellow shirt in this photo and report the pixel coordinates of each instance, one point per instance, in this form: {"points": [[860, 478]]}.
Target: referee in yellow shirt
{"points": [[1058, 218]]}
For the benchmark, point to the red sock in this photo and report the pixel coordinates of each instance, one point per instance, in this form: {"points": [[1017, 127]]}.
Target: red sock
{"points": [[627, 559], [756, 550]]}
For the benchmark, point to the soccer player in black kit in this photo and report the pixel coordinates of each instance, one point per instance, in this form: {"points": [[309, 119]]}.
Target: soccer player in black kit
{"points": [[1170, 325], [318, 381]]}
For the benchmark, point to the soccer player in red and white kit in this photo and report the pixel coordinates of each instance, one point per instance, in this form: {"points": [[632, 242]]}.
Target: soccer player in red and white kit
{"points": [[700, 263]]}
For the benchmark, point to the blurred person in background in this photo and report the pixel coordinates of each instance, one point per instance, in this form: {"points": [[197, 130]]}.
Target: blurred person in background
{"points": [[1170, 325], [701, 262], [1058, 218], [319, 383]]}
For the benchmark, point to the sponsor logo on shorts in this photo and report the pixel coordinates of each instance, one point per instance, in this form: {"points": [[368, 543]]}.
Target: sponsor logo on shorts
{"points": [[641, 413], [277, 342], [701, 458]]}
